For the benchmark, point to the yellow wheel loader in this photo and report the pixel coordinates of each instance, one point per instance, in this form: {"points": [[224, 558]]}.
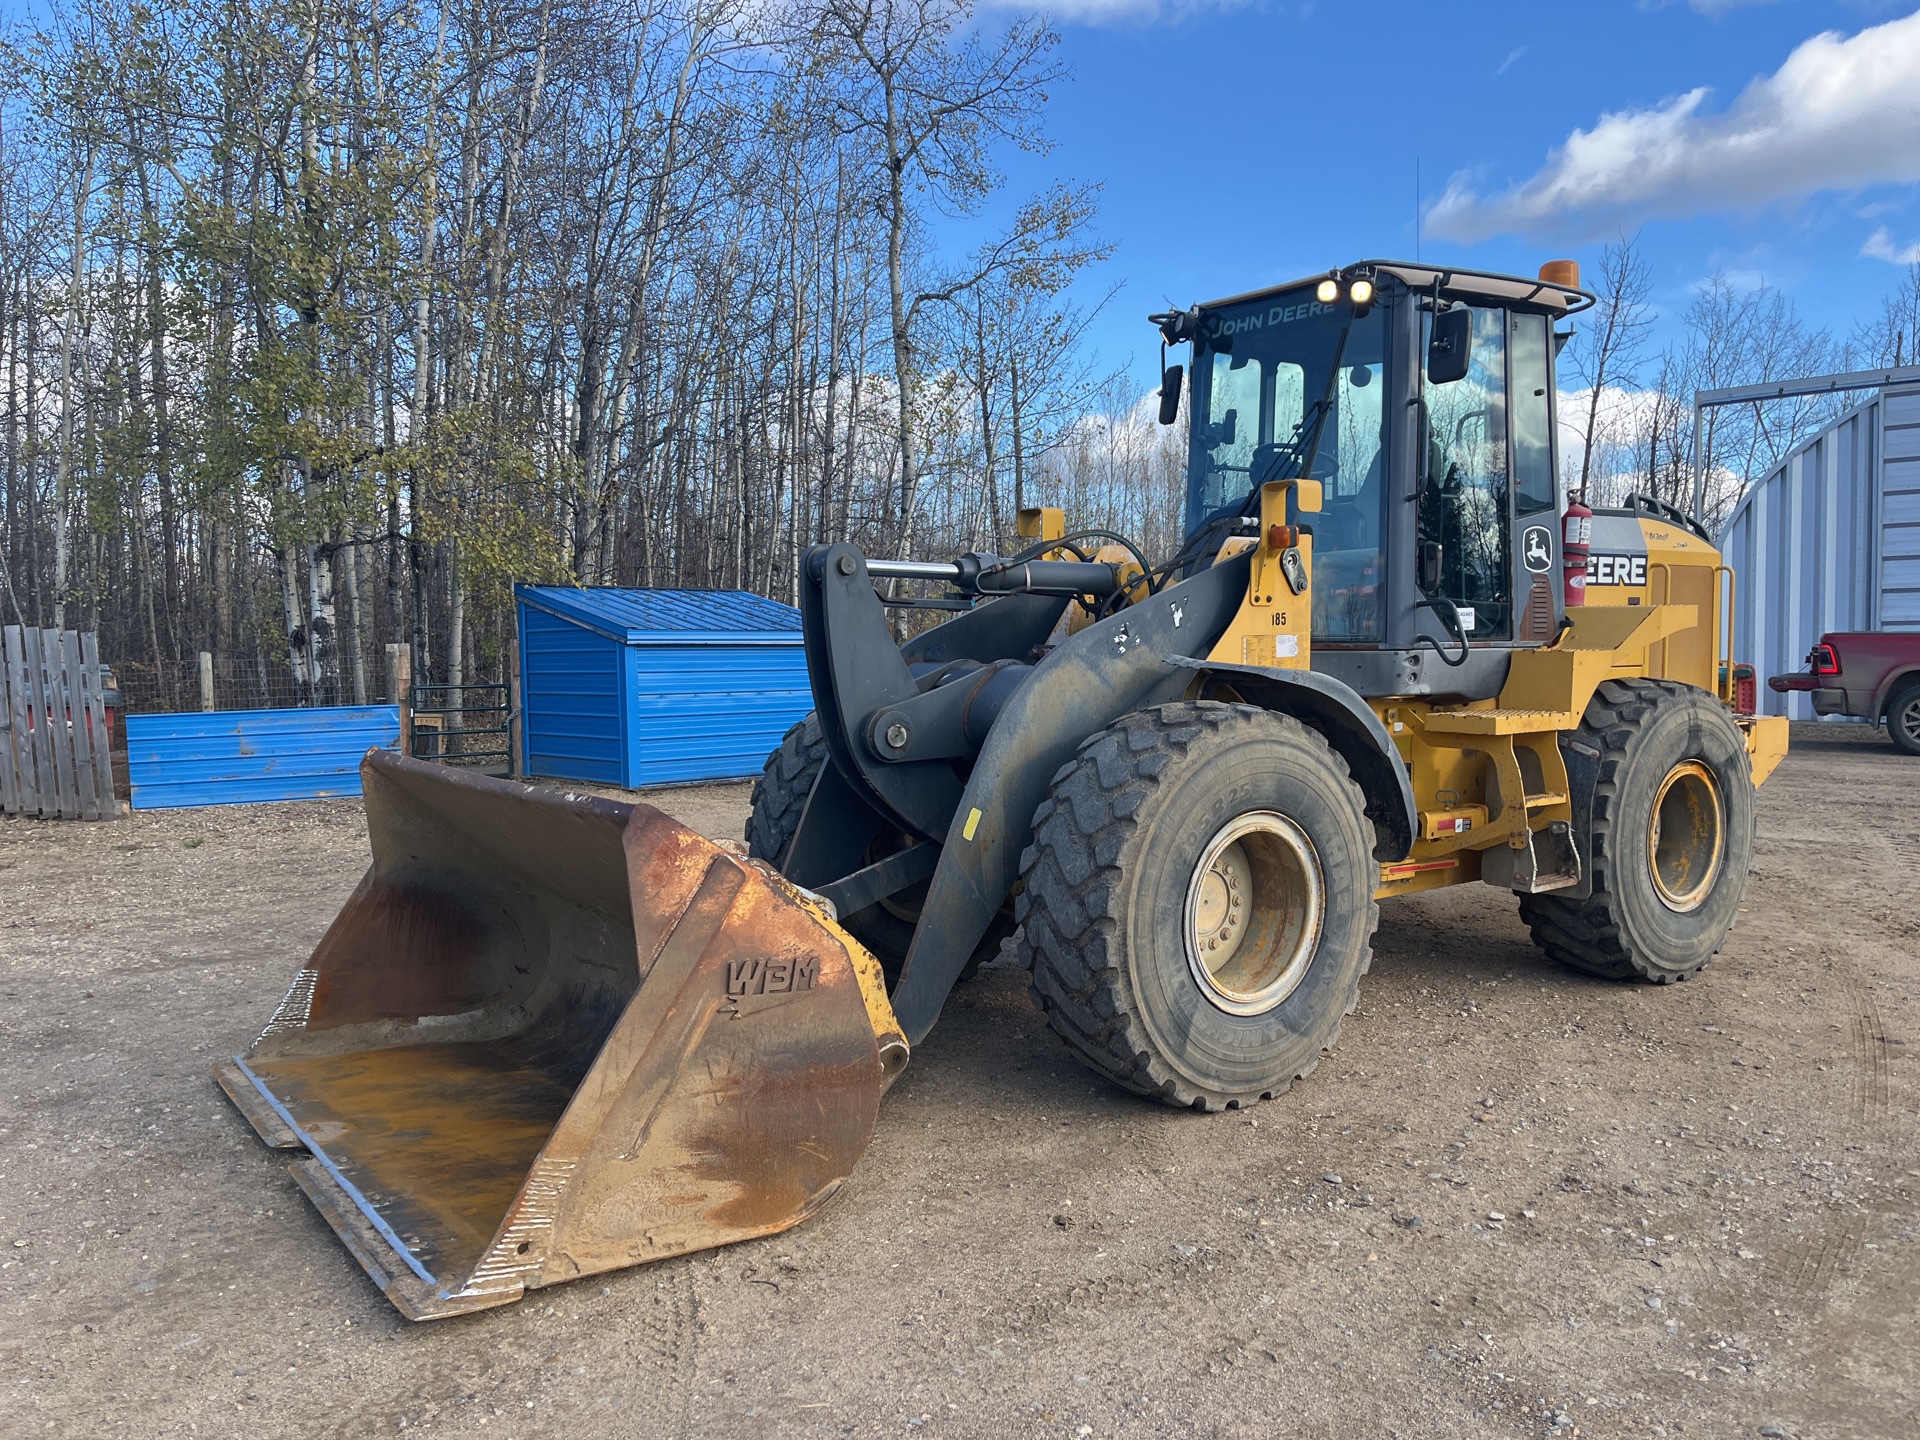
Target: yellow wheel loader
{"points": [[552, 1035]]}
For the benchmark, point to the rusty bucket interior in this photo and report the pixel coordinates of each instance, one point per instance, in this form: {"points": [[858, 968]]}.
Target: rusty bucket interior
{"points": [[555, 1034]]}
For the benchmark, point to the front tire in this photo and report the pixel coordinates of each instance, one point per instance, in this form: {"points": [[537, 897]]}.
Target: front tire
{"points": [[1903, 717], [1672, 838], [1197, 905]]}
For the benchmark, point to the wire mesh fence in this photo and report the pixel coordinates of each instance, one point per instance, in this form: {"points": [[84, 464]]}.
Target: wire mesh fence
{"points": [[469, 725], [222, 682]]}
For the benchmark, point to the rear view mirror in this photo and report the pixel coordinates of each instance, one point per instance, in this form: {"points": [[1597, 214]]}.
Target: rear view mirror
{"points": [[1450, 346], [1426, 566], [1170, 394]]}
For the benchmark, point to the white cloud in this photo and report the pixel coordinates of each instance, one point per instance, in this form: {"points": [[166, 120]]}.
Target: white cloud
{"points": [[1738, 280], [1843, 111], [1513, 59], [1880, 246]]}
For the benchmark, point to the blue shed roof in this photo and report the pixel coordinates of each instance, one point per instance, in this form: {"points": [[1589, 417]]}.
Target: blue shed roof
{"points": [[678, 617]]}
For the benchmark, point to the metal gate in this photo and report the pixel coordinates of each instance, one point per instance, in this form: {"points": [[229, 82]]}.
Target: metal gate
{"points": [[467, 725], [55, 756]]}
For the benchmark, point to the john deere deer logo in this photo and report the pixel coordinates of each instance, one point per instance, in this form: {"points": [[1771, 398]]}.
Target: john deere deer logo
{"points": [[1539, 548]]}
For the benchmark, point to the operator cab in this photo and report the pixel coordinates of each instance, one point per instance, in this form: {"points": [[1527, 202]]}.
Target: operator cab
{"points": [[1422, 399]]}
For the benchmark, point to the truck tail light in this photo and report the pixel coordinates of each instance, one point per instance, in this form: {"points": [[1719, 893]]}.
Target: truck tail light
{"points": [[1824, 660]]}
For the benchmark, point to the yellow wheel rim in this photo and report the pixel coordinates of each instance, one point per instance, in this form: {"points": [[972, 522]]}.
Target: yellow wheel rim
{"points": [[1686, 836]]}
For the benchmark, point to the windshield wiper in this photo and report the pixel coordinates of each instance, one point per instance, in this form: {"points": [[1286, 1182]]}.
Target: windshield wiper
{"points": [[1307, 432]]}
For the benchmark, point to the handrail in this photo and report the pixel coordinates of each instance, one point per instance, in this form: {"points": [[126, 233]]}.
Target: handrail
{"points": [[1723, 630]]}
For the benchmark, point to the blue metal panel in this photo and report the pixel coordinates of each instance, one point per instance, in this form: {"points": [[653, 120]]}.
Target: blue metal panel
{"points": [[705, 712], [629, 688], [570, 690], [522, 767], [237, 757], [677, 617], [1818, 542], [1898, 585]]}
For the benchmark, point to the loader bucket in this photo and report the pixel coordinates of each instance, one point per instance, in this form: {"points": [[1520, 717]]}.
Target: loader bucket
{"points": [[552, 1034]]}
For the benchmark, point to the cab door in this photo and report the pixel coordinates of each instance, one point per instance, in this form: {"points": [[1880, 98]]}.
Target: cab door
{"points": [[1490, 498], [1465, 507], [1538, 597]]}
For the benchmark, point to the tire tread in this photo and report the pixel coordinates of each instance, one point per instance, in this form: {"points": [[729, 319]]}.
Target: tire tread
{"points": [[1067, 940], [1588, 934], [780, 794]]}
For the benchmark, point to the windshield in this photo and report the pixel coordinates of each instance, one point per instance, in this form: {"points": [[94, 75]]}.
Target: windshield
{"points": [[1268, 400]]}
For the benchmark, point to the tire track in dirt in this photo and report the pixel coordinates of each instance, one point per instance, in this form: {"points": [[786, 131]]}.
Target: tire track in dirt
{"points": [[1810, 1271], [665, 1339], [654, 1310]]}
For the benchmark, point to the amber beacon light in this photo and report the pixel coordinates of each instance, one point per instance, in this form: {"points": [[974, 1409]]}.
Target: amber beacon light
{"points": [[1562, 272]]}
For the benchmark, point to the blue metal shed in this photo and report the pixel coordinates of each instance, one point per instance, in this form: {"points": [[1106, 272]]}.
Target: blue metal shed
{"points": [[655, 687]]}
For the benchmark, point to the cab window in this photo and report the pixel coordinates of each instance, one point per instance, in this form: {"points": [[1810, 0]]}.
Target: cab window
{"points": [[1351, 466], [1465, 505], [1533, 488], [1292, 385]]}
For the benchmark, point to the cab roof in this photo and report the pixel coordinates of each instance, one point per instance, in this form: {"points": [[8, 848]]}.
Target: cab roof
{"points": [[1455, 284]]}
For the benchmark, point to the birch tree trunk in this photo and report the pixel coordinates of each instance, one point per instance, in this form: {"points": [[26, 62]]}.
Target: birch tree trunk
{"points": [[69, 339]]}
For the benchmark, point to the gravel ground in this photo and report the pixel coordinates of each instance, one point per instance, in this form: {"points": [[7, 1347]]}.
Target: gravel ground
{"points": [[1515, 1202]]}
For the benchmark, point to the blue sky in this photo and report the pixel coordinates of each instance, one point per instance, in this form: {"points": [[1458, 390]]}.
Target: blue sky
{"points": [[1239, 145]]}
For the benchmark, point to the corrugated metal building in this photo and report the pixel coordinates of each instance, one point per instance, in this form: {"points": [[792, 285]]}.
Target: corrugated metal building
{"points": [[241, 757], [1829, 540], [655, 687]]}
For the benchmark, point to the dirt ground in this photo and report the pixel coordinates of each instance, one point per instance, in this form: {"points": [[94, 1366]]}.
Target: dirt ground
{"points": [[1515, 1202]]}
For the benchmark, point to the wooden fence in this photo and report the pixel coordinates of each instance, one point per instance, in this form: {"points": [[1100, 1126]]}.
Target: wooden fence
{"points": [[55, 760]]}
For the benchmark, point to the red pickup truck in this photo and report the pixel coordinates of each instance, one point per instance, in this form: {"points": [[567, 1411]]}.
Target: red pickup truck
{"points": [[1873, 674]]}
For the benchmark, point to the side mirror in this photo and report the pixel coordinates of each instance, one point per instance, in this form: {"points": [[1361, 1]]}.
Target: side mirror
{"points": [[1170, 394], [1450, 346], [1426, 565]]}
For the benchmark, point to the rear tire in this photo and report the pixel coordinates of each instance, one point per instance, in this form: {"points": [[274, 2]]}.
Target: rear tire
{"points": [[1903, 717], [1672, 839], [780, 798], [1144, 960]]}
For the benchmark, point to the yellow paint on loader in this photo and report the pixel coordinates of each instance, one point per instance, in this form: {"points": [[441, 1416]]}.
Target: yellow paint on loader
{"points": [[1273, 628]]}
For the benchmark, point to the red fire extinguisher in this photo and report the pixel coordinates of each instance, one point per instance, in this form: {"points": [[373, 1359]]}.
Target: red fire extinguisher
{"points": [[1576, 540]]}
